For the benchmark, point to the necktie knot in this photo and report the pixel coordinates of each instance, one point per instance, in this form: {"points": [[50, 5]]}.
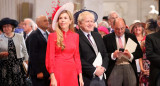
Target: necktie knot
{"points": [[88, 35]]}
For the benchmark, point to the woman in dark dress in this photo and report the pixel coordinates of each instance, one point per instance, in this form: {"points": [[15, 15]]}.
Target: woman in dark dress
{"points": [[12, 53]]}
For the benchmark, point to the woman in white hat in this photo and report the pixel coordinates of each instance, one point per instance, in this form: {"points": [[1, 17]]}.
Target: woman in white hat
{"points": [[62, 57]]}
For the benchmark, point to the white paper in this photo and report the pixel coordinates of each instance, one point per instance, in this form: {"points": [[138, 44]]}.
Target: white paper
{"points": [[131, 45], [98, 62]]}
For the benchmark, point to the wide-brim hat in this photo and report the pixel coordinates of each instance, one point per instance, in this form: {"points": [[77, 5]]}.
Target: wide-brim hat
{"points": [[135, 23], [68, 6], [76, 15], [5, 21]]}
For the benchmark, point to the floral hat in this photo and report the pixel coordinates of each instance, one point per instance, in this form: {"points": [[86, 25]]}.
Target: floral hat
{"points": [[68, 6]]}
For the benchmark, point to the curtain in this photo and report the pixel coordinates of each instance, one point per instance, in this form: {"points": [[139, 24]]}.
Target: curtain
{"points": [[16, 9]]}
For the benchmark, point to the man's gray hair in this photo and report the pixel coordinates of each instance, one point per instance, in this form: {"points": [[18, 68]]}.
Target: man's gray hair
{"points": [[112, 12], [31, 23]]}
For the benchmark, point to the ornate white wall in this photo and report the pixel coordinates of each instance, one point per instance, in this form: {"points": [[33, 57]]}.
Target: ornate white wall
{"points": [[128, 9]]}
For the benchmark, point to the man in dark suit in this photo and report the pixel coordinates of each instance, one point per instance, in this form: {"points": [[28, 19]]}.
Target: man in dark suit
{"points": [[37, 43], [91, 44], [153, 55], [122, 67]]}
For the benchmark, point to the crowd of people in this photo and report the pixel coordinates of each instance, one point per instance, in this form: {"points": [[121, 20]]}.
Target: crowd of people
{"points": [[70, 50]]}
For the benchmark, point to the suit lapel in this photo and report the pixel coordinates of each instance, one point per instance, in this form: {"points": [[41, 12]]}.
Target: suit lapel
{"points": [[84, 38], [41, 35], [126, 37], [96, 40], [113, 41]]}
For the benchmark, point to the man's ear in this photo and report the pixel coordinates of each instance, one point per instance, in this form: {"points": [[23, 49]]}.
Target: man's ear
{"points": [[79, 23]]}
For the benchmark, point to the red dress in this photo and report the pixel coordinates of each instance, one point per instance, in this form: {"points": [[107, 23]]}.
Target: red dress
{"points": [[66, 64]]}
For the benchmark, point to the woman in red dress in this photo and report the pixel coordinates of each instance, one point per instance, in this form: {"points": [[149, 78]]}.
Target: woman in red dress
{"points": [[62, 57]]}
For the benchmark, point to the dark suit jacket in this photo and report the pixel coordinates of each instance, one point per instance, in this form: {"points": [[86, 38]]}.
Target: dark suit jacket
{"points": [[36, 45], [88, 55], [111, 46], [153, 55]]}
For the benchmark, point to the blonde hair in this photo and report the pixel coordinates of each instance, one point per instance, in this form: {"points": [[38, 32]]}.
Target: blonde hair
{"points": [[84, 14], [59, 30]]}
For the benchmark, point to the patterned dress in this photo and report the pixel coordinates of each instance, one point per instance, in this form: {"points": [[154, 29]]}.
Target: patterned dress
{"points": [[144, 79], [11, 69]]}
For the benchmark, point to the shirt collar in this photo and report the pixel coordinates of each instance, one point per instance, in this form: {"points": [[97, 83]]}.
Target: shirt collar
{"points": [[85, 33], [120, 36], [41, 31], [29, 33]]}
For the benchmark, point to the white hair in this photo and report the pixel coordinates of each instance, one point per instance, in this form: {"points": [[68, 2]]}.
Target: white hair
{"points": [[112, 12], [31, 23]]}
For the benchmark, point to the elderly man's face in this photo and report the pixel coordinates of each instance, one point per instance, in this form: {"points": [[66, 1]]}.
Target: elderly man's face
{"points": [[87, 24], [26, 26], [113, 17], [119, 27]]}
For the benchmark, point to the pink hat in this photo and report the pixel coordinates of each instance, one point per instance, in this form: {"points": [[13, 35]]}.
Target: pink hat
{"points": [[68, 6], [104, 29]]}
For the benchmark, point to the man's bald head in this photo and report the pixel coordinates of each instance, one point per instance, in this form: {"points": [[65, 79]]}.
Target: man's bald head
{"points": [[119, 26], [119, 20], [42, 22]]}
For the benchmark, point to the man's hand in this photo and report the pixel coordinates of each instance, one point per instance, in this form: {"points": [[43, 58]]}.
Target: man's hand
{"points": [[115, 54], [127, 53], [40, 75], [99, 70]]}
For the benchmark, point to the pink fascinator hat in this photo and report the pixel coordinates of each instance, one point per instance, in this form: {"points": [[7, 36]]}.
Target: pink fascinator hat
{"points": [[104, 29], [68, 6]]}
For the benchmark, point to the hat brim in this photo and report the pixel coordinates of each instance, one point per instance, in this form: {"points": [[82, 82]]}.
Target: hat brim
{"points": [[68, 6], [133, 25], [5, 21], [76, 15]]}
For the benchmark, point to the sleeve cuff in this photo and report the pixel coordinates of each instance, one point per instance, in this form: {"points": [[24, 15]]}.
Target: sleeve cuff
{"points": [[131, 58], [94, 72], [112, 57]]}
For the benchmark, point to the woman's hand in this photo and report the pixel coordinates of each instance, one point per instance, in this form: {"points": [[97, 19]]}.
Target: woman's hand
{"points": [[4, 54], [53, 80], [81, 80], [145, 72]]}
